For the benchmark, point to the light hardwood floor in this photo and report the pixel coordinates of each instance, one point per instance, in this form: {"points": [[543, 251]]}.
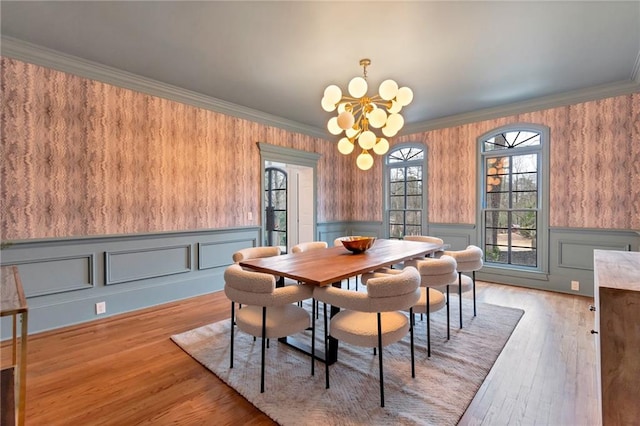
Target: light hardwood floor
{"points": [[125, 370]]}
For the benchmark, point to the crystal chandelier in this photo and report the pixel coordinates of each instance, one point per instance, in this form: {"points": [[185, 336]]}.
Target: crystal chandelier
{"points": [[359, 114]]}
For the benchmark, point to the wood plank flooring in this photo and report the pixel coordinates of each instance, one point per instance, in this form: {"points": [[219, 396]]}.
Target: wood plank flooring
{"points": [[125, 370]]}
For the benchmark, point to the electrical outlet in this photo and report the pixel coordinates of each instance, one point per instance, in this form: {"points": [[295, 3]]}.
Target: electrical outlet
{"points": [[101, 308], [250, 215], [575, 285]]}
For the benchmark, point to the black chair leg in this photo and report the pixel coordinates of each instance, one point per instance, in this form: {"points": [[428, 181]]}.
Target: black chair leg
{"points": [[428, 326], [326, 347], [460, 295], [474, 293], [313, 336], [448, 317], [233, 318], [264, 338], [413, 363], [380, 359]]}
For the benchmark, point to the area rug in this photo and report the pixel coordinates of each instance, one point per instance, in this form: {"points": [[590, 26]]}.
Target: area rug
{"points": [[443, 387]]}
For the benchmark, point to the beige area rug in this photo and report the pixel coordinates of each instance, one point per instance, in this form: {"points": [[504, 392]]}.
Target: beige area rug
{"points": [[444, 385]]}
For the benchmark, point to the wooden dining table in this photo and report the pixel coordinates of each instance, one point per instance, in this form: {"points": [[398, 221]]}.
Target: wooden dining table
{"points": [[330, 266]]}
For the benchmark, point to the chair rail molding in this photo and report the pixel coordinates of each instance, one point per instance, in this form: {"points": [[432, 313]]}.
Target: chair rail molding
{"points": [[63, 278], [570, 254]]}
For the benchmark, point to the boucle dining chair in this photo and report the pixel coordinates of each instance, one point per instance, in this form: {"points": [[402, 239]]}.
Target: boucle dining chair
{"points": [[426, 239], [338, 242], [269, 311], [468, 260], [435, 277], [372, 319], [260, 252], [255, 253], [308, 246]]}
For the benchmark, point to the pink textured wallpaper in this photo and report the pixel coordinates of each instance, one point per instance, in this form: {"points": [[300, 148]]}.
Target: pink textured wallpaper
{"points": [[595, 164], [80, 157]]}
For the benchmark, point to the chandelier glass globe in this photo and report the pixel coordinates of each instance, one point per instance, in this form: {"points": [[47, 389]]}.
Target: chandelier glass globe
{"points": [[367, 139], [345, 146], [364, 161]]}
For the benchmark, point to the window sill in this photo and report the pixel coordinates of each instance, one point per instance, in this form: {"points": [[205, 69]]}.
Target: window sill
{"points": [[511, 271]]}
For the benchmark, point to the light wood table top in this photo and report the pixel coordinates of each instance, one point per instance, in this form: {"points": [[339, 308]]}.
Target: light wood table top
{"points": [[327, 266]]}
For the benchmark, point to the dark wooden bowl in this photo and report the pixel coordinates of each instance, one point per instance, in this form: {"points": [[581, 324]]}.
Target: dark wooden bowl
{"points": [[357, 244]]}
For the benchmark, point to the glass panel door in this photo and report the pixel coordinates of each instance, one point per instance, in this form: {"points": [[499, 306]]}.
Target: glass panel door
{"points": [[275, 202]]}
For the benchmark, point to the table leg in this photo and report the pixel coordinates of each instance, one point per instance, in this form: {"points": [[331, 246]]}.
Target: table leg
{"points": [[332, 355], [14, 340], [23, 369]]}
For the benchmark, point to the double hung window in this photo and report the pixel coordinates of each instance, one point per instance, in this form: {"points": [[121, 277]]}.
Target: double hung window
{"points": [[406, 197], [512, 206]]}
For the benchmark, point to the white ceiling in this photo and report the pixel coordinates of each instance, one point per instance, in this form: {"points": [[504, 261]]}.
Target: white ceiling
{"points": [[276, 58]]}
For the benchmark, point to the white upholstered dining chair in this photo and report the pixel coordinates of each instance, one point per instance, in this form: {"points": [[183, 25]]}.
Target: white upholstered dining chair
{"points": [[436, 275], [372, 319], [467, 260], [255, 253], [260, 252], [308, 246], [426, 239], [269, 311]]}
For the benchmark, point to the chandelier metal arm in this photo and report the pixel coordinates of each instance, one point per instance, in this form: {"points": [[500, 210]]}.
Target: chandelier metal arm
{"points": [[356, 124], [376, 99], [346, 98]]}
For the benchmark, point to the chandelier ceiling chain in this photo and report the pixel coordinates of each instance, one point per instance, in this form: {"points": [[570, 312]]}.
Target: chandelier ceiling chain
{"points": [[358, 114]]}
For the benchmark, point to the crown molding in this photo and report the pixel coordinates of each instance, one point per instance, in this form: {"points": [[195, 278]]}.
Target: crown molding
{"points": [[635, 73], [39, 55], [546, 102]]}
